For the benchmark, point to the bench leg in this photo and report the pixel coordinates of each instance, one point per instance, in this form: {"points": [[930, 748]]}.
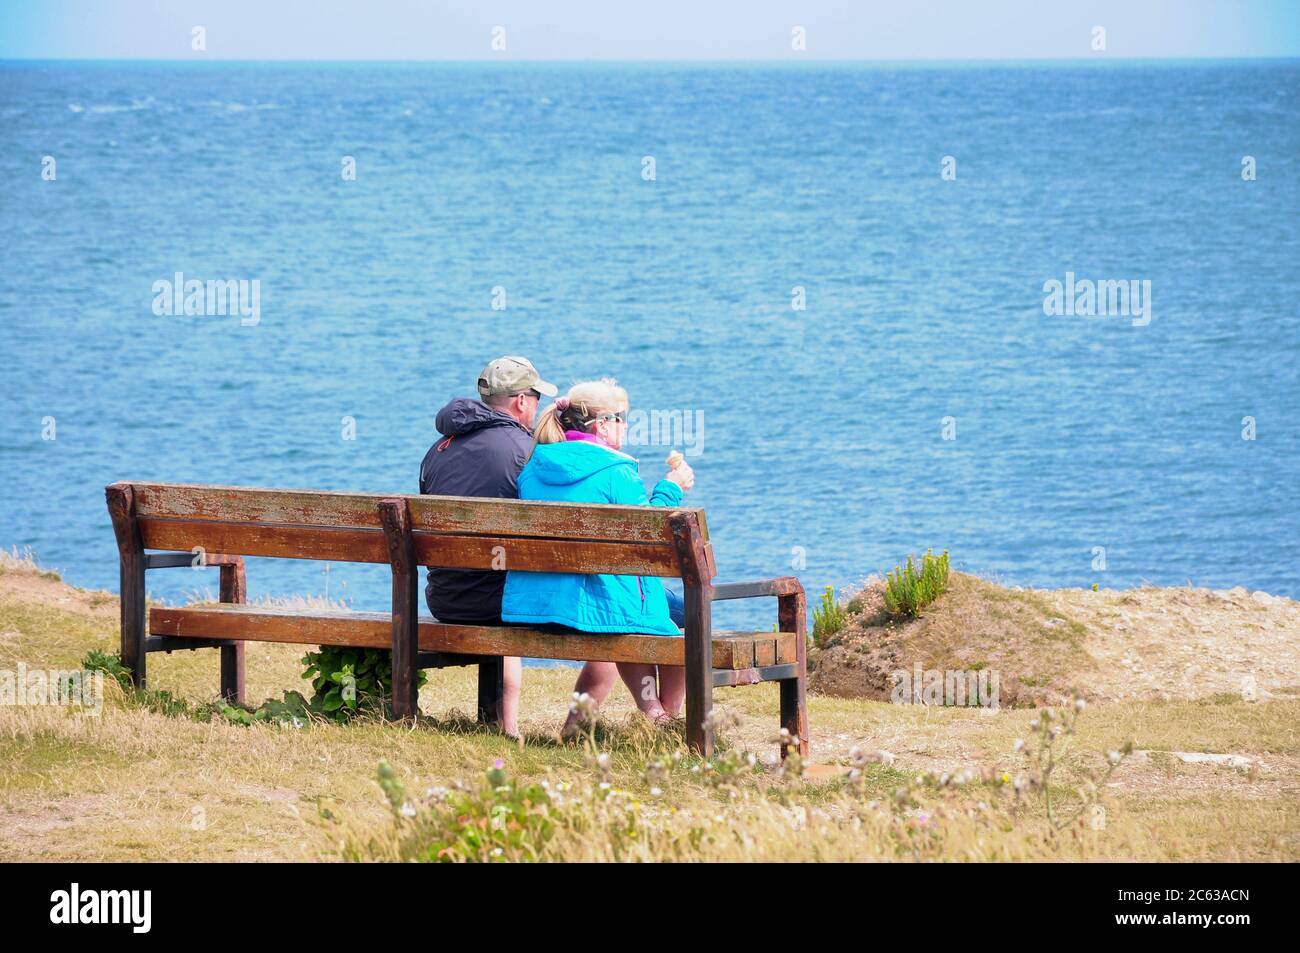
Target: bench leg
{"points": [[699, 670], [134, 622], [491, 691], [697, 585], [791, 615], [234, 589], [406, 602]]}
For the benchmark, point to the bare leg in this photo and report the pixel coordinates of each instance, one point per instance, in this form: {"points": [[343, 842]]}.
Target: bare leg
{"points": [[672, 688], [640, 680], [595, 679], [513, 676]]}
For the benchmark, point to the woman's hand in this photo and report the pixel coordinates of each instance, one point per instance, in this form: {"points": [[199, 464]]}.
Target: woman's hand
{"points": [[682, 475]]}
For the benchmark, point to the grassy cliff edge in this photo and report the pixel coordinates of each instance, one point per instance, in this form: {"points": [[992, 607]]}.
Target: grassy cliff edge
{"points": [[1213, 776]]}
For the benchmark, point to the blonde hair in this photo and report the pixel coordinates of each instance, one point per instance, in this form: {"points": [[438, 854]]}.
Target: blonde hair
{"points": [[578, 409]]}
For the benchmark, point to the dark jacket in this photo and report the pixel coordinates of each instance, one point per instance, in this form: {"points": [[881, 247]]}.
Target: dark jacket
{"points": [[480, 453]]}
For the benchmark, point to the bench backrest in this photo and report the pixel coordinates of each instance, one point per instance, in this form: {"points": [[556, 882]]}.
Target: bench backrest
{"points": [[447, 531]]}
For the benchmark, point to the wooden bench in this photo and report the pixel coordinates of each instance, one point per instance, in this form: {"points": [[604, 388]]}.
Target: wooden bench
{"points": [[219, 524]]}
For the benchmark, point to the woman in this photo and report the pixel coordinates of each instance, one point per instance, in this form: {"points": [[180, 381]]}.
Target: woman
{"points": [[577, 457]]}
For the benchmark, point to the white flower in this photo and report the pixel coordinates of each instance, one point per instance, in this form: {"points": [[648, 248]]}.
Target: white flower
{"points": [[1019, 746]]}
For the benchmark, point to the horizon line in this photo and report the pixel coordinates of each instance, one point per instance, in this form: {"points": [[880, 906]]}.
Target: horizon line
{"points": [[792, 60]]}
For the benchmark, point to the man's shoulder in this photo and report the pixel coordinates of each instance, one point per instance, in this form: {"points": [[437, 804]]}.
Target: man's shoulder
{"points": [[480, 463]]}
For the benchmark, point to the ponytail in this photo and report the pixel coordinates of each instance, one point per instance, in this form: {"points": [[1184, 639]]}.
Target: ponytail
{"points": [[548, 429]]}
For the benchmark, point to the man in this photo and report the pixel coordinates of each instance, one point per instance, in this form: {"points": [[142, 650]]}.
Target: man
{"points": [[484, 445]]}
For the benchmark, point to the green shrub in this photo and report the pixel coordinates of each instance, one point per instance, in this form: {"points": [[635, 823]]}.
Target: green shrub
{"points": [[346, 682], [829, 618], [909, 590]]}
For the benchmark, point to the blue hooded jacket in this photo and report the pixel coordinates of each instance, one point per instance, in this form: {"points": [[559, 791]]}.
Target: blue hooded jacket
{"points": [[581, 471]]}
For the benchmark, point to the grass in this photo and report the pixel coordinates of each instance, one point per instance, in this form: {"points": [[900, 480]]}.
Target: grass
{"points": [[829, 618], [132, 784]]}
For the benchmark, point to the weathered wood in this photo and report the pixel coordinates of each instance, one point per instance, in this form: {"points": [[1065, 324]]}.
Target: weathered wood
{"points": [[752, 676], [782, 585], [234, 591], [594, 522], [267, 539], [791, 617], [374, 630], [755, 650], [130, 548], [697, 595], [545, 555], [491, 690], [257, 505], [441, 514], [339, 544], [406, 601], [407, 531]]}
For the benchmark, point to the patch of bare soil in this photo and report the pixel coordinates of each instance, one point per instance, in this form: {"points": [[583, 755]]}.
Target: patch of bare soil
{"points": [[1047, 645], [26, 582]]}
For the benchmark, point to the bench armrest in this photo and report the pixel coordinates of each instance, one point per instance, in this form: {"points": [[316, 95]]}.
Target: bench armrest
{"points": [[781, 586]]}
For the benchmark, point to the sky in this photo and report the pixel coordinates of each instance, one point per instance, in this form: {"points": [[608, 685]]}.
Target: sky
{"points": [[645, 29]]}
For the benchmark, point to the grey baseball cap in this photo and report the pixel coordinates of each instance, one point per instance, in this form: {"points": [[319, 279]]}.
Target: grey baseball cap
{"points": [[511, 375]]}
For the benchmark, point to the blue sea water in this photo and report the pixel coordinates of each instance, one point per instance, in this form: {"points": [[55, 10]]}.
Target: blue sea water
{"points": [[823, 449]]}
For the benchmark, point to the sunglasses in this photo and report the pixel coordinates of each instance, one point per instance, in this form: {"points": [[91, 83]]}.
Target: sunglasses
{"points": [[620, 416]]}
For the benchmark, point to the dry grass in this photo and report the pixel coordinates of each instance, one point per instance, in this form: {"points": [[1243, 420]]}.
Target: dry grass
{"points": [[1051, 645], [134, 785]]}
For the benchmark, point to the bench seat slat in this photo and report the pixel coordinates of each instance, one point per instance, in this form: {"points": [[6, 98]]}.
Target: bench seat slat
{"points": [[731, 650]]}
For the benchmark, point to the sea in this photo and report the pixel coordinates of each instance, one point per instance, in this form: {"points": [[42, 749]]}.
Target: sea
{"points": [[1044, 316]]}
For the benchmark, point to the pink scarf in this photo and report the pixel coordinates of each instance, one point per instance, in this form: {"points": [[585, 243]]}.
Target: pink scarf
{"points": [[590, 437]]}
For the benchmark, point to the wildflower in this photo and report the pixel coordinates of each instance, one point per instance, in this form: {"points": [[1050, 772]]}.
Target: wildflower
{"points": [[1114, 757], [408, 809], [1080, 704], [1018, 746]]}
